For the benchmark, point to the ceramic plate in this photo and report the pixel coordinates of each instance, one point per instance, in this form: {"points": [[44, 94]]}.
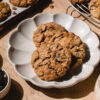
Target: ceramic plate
{"points": [[21, 47]]}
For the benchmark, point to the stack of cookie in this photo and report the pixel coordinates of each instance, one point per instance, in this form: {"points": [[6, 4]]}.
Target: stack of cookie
{"points": [[57, 51], [94, 6]]}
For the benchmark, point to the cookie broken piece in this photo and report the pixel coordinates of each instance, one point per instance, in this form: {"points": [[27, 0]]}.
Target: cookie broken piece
{"points": [[5, 11], [51, 61], [22, 3]]}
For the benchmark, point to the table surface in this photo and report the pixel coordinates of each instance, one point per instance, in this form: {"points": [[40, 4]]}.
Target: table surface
{"points": [[22, 90]]}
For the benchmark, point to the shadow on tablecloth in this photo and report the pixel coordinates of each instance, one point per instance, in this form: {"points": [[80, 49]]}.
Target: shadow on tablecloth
{"points": [[15, 93]]}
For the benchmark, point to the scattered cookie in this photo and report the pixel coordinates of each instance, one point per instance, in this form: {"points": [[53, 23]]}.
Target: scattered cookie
{"points": [[94, 7], [45, 32], [5, 10], [22, 3], [51, 61]]}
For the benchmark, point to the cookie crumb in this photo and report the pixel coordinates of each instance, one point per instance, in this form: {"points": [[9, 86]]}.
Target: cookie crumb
{"points": [[51, 6], [14, 13], [14, 8]]}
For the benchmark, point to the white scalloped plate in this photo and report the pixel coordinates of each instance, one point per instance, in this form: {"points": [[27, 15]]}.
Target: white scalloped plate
{"points": [[21, 46]]}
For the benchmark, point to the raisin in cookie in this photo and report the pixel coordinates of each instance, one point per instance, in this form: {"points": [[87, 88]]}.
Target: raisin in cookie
{"points": [[45, 32], [22, 3], [51, 61], [4, 10], [94, 7], [73, 43]]}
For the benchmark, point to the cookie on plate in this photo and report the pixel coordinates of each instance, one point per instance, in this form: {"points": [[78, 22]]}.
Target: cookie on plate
{"points": [[51, 61], [22, 3], [78, 1], [94, 7], [73, 43], [5, 10], [45, 32]]}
